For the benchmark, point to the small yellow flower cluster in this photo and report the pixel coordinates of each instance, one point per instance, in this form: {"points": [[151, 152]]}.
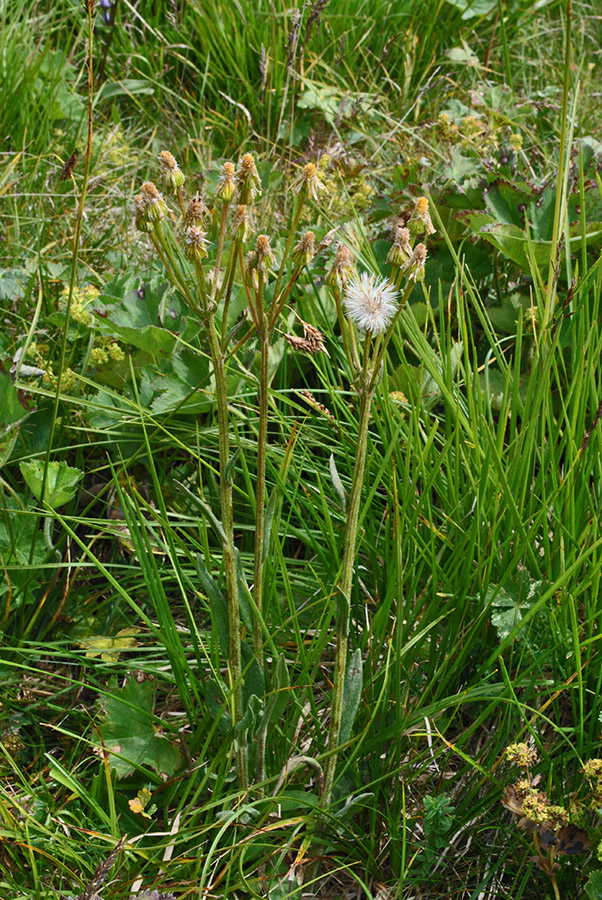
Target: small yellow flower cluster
{"points": [[479, 133], [98, 356], [68, 380], [592, 770], [358, 191], [107, 350], [516, 142], [521, 755], [80, 302]]}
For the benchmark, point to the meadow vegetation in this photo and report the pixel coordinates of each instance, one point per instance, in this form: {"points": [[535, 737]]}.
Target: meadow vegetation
{"points": [[300, 449]]}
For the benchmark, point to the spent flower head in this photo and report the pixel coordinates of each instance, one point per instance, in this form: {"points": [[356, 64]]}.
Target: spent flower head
{"points": [[171, 174], [194, 212], [401, 249], [342, 268], [264, 254], [370, 302], [303, 252], [154, 201], [195, 241], [242, 223], [308, 184], [413, 268], [311, 342], [227, 183], [247, 180], [260, 260], [420, 219], [150, 207]]}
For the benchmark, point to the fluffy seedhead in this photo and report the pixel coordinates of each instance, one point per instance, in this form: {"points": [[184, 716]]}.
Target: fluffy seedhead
{"points": [[370, 302]]}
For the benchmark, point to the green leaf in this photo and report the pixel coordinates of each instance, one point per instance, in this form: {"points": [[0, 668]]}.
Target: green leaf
{"points": [[217, 601], [127, 86], [352, 693], [337, 483], [130, 731], [280, 695], [11, 412], [61, 483], [593, 888], [473, 8], [11, 283], [137, 315]]}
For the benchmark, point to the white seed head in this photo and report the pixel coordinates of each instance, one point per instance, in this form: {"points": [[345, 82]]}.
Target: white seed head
{"points": [[370, 302]]}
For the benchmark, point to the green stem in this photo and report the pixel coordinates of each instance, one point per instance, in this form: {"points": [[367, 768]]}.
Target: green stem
{"points": [[349, 342], [346, 582], [220, 248], [260, 493], [158, 239], [225, 484], [560, 188], [291, 235]]}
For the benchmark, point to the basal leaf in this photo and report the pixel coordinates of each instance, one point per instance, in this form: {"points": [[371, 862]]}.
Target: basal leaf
{"points": [[130, 734], [61, 483]]}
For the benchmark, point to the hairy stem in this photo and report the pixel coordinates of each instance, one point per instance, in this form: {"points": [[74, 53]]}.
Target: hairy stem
{"points": [[346, 583], [260, 493], [234, 650]]}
